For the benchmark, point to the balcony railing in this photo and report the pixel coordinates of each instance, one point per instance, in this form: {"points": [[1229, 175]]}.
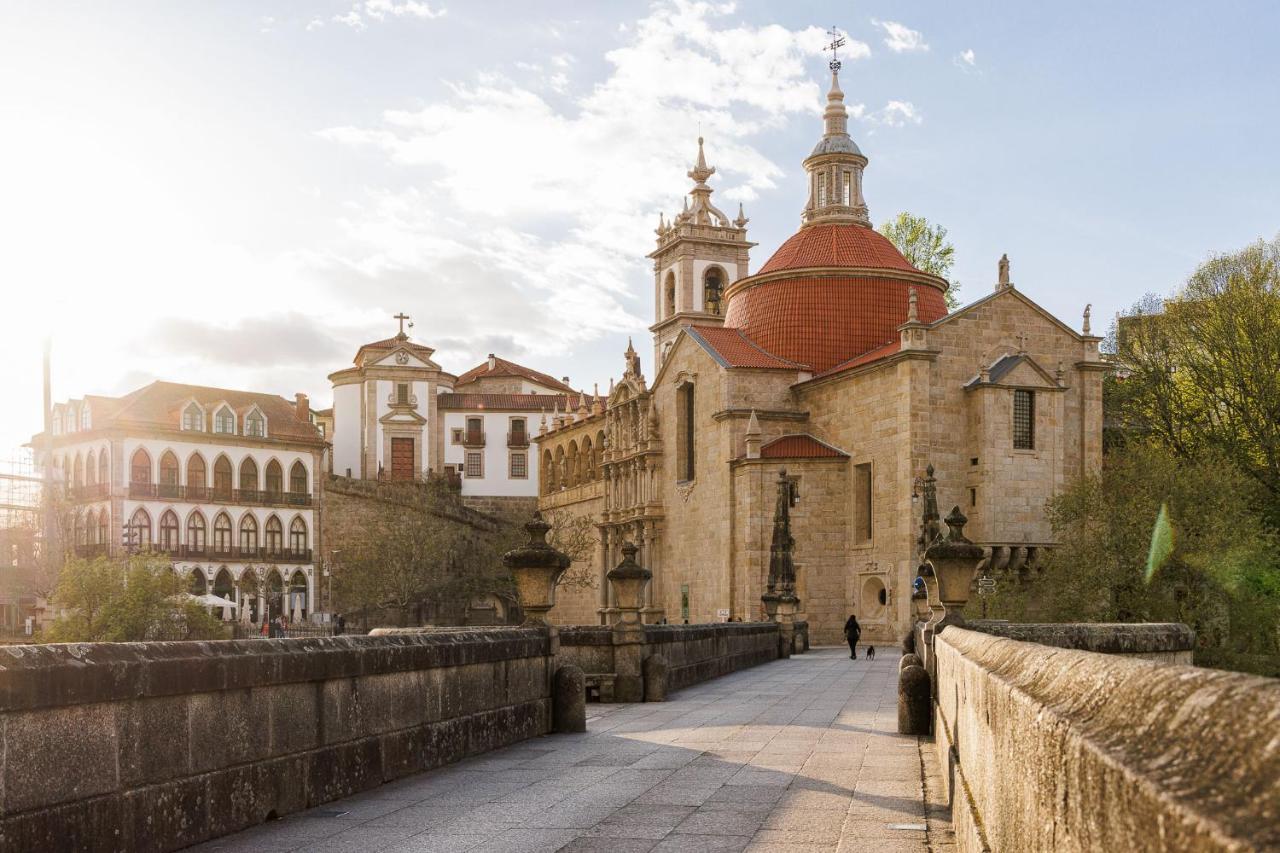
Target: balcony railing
{"points": [[218, 494], [518, 438], [92, 492], [473, 438], [235, 552]]}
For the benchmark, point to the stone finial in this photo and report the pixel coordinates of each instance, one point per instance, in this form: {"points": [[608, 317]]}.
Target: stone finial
{"points": [[1061, 373], [955, 562], [628, 580], [913, 307], [542, 427], [1088, 309], [1004, 281], [536, 568], [651, 422], [610, 394], [597, 407], [754, 436], [742, 219], [583, 411], [984, 373]]}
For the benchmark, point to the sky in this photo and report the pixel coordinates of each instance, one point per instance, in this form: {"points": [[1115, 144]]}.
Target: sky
{"points": [[240, 194]]}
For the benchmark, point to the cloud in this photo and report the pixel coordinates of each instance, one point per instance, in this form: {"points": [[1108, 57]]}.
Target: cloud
{"points": [[283, 340], [966, 59], [900, 38], [381, 10], [897, 114], [529, 219]]}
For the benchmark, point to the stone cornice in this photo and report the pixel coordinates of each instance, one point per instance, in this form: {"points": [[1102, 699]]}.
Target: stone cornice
{"points": [[762, 414], [750, 281], [887, 361]]}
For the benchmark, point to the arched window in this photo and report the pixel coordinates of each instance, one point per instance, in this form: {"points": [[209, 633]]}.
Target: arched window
{"points": [[274, 537], [248, 475], [685, 440], [168, 475], [275, 480], [255, 424], [588, 461], [199, 583], [140, 468], [169, 531], [222, 534], [713, 289], [224, 585], [77, 477], [298, 479], [90, 469], [193, 418], [298, 537], [548, 473], [224, 421], [248, 535], [298, 604], [77, 528], [195, 533], [196, 483], [102, 527], [104, 471], [139, 532], [222, 479]]}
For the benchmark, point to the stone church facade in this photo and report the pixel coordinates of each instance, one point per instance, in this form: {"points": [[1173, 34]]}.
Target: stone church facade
{"points": [[839, 362]]}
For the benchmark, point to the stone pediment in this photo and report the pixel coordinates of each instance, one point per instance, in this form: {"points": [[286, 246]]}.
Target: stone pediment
{"points": [[1015, 371], [401, 415], [405, 357]]}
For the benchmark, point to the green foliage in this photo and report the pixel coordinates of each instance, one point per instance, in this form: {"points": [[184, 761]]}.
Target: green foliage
{"points": [[925, 247], [1200, 371], [1222, 575], [140, 598]]}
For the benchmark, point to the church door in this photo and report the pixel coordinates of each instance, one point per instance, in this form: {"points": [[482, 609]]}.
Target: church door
{"points": [[402, 458]]}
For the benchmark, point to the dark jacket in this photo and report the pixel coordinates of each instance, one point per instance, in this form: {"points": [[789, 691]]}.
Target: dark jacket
{"points": [[852, 628]]}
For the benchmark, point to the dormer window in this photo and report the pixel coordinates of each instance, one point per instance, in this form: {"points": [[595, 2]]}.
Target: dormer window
{"points": [[193, 418], [255, 424], [224, 421]]}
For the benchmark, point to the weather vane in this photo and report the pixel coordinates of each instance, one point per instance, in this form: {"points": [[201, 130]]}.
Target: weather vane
{"points": [[837, 42]]}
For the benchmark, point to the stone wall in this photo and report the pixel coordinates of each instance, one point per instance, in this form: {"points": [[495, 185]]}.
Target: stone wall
{"points": [[509, 506], [694, 653], [1167, 642], [160, 745], [1067, 750]]}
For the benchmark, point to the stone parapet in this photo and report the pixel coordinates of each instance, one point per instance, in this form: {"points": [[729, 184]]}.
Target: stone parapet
{"points": [[158, 746], [1168, 642], [1066, 750]]}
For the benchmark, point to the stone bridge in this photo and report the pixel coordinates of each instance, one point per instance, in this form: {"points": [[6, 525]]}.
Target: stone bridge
{"points": [[1048, 738]]}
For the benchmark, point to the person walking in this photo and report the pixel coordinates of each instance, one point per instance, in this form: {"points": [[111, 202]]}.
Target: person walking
{"points": [[342, 625], [852, 631]]}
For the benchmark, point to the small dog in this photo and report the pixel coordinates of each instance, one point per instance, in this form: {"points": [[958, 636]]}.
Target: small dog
{"points": [[871, 652]]}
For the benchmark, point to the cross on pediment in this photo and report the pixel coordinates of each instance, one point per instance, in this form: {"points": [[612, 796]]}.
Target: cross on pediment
{"points": [[402, 317]]}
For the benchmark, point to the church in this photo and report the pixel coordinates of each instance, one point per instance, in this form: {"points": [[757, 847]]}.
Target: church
{"points": [[837, 362]]}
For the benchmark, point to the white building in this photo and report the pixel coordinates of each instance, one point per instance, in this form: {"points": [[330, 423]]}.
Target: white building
{"points": [[222, 481], [398, 416]]}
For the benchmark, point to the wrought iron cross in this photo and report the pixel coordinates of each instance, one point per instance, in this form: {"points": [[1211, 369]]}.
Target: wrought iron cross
{"points": [[402, 317], [837, 42]]}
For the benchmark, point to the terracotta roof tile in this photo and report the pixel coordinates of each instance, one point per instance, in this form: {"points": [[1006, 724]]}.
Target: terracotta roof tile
{"points": [[160, 405], [866, 358], [827, 320], [837, 246], [502, 367], [513, 402], [800, 446], [735, 349], [392, 343]]}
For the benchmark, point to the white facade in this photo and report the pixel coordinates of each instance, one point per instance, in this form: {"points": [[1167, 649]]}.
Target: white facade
{"points": [[496, 475]]}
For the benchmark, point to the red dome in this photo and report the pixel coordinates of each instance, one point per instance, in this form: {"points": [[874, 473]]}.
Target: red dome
{"points": [[837, 246], [821, 317]]}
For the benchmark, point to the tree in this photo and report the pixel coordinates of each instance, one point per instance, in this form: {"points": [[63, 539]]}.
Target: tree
{"points": [[1200, 371], [1223, 577], [139, 598], [925, 247], [576, 536]]}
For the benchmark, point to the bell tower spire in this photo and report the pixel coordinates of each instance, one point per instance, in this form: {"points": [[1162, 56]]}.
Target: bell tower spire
{"points": [[836, 163], [700, 253]]}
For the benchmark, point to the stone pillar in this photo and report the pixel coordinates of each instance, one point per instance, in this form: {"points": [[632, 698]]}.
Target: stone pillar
{"points": [[955, 563], [628, 580]]}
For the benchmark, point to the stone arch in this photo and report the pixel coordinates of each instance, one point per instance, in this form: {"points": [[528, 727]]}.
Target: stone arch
{"points": [[273, 536], [248, 534], [197, 475], [199, 582], [560, 474], [140, 529], [223, 477], [588, 461], [548, 473], [169, 474], [197, 532], [140, 467], [714, 283], [104, 467], [273, 478], [298, 478], [224, 584], [223, 534], [77, 475], [90, 468], [169, 531], [298, 537], [299, 602], [248, 474], [573, 474], [875, 598]]}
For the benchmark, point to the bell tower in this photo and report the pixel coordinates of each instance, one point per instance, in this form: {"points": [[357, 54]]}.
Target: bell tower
{"points": [[700, 252]]}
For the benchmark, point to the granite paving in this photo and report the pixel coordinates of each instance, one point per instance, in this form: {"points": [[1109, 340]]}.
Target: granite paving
{"points": [[800, 755]]}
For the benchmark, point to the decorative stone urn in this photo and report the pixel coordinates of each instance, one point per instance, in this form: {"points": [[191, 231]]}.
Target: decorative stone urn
{"points": [[955, 563], [628, 580], [536, 568]]}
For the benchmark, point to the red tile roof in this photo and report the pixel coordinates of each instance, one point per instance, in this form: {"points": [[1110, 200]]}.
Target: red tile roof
{"points": [[733, 348], [866, 358], [512, 402], [392, 343], [800, 446], [837, 246], [826, 320], [159, 405], [502, 367]]}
